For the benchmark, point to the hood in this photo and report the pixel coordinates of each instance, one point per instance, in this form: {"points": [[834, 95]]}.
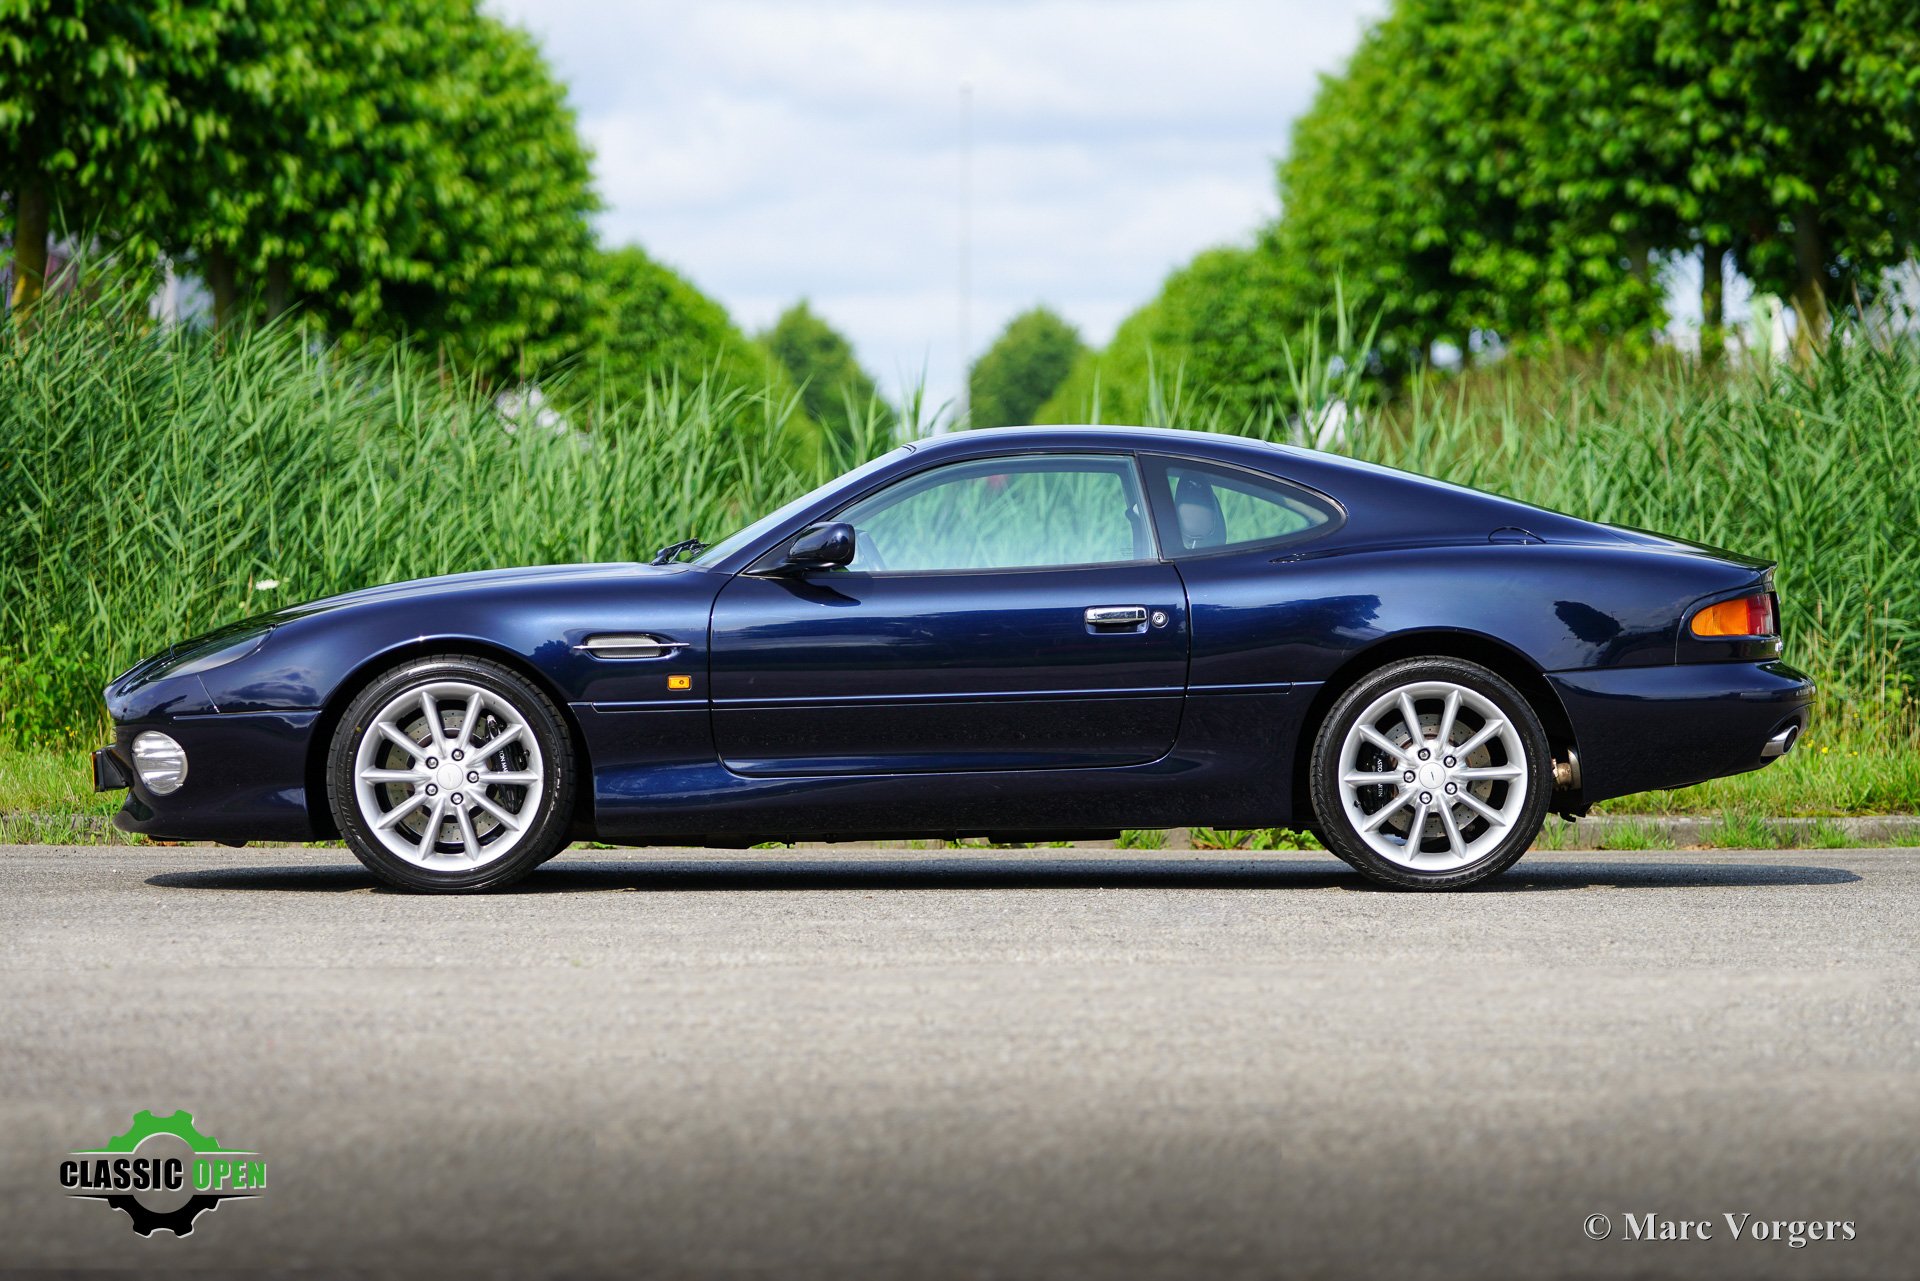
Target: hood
{"points": [[476, 580], [164, 661]]}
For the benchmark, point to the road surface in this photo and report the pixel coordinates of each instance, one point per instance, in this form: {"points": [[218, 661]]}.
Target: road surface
{"points": [[1043, 1063]]}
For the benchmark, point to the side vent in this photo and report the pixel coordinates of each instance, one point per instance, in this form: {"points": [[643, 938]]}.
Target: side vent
{"points": [[630, 645]]}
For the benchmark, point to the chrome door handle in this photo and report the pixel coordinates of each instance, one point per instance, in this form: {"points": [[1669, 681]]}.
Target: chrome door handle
{"points": [[1116, 615]]}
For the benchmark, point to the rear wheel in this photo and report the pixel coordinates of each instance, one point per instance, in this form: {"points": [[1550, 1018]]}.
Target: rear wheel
{"points": [[451, 773], [1433, 773]]}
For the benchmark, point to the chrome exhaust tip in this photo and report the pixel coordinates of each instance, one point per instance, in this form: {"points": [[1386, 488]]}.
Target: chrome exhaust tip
{"points": [[1780, 744]]}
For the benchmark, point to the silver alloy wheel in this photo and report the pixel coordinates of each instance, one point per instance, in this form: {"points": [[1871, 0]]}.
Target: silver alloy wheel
{"points": [[1433, 776], [448, 776]]}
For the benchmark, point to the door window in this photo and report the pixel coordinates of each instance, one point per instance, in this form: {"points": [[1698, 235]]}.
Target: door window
{"points": [[1208, 508], [1005, 513]]}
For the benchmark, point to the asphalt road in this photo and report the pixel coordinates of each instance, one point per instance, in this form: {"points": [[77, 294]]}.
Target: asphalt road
{"points": [[956, 1063]]}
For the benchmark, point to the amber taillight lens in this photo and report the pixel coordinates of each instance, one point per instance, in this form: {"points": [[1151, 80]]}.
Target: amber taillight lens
{"points": [[1747, 616]]}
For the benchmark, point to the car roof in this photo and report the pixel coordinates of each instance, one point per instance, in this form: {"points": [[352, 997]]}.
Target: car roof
{"points": [[1069, 433], [1096, 436], [1383, 502]]}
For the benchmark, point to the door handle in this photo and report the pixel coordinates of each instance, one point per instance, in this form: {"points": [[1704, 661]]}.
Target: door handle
{"points": [[1117, 618]]}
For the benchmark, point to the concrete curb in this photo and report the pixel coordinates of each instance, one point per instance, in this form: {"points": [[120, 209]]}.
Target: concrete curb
{"points": [[1628, 831], [1654, 831], [1618, 831]]}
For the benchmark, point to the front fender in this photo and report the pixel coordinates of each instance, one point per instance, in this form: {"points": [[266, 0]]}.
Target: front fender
{"points": [[308, 660]]}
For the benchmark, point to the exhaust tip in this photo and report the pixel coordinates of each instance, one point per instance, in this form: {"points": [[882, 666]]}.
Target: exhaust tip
{"points": [[1781, 743]]}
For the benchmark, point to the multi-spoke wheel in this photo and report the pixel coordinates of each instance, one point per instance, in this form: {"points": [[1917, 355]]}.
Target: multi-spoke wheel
{"points": [[1432, 773], [451, 773]]}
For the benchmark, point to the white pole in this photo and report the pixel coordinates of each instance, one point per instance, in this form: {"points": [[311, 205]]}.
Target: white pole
{"points": [[964, 406]]}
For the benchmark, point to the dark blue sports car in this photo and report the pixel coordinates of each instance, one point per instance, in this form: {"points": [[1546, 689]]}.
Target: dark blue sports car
{"points": [[1017, 634]]}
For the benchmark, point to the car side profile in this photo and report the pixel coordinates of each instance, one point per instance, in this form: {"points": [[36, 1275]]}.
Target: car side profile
{"points": [[1018, 633]]}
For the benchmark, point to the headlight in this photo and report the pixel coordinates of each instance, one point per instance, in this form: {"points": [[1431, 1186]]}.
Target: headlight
{"points": [[214, 653], [160, 762]]}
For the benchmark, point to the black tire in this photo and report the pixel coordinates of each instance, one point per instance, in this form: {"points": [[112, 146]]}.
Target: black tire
{"points": [[543, 832], [1341, 833]]}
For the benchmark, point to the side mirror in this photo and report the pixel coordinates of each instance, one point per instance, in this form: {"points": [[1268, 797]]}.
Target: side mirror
{"points": [[819, 547]]}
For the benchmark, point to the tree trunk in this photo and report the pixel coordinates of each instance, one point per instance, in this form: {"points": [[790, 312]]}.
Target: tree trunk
{"points": [[279, 289], [226, 289], [1809, 289], [1713, 311], [32, 211], [1639, 259]]}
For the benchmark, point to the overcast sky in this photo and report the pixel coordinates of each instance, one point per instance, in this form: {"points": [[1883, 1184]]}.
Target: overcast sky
{"points": [[779, 149]]}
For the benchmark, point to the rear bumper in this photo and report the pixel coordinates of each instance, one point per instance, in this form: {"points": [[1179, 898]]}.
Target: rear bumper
{"points": [[1646, 728], [246, 781]]}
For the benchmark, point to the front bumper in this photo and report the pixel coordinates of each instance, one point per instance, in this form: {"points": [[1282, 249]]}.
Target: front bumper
{"points": [[248, 780], [1641, 729]]}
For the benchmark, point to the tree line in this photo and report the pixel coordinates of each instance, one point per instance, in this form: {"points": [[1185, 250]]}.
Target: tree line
{"points": [[391, 169], [1480, 176], [1503, 176]]}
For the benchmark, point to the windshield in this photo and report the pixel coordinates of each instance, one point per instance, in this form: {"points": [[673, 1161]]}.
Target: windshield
{"points": [[766, 524]]}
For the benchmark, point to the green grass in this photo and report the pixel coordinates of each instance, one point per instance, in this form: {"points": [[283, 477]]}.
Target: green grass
{"points": [[1556, 834], [47, 798], [1266, 838], [1831, 773], [1637, 835], [1814, 468], [1742, 830], [1825, 834], [153, 485]]}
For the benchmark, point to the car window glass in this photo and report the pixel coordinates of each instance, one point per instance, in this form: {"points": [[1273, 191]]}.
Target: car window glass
{"points": [[1005, 513], [772, 520], [1211, 508]]}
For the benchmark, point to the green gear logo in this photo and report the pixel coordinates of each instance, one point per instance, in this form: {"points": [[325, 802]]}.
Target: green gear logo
{"points": [[164, 1173]]}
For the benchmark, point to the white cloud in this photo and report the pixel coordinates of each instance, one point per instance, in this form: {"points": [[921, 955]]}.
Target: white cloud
{"points": [[778, 148]]}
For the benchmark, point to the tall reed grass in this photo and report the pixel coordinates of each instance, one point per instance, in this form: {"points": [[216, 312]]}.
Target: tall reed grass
{"points": [[154, 484], [1815, 468]]}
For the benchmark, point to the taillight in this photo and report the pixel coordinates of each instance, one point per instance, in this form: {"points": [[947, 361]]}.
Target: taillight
{"points": [[1747, 616]]}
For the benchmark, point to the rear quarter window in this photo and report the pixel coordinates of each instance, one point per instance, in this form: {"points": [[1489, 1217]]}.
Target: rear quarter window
{"points": [[1208, 507]]}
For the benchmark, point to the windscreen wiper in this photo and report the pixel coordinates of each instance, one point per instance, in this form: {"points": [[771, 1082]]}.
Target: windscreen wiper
{"points": [[665, 555]]}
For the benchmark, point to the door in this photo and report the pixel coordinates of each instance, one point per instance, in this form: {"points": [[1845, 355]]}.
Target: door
{"points": [[1004, 613]]}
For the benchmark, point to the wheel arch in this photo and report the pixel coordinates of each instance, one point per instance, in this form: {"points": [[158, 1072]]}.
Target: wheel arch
{"points": [[320, 814], [1475, 647]]}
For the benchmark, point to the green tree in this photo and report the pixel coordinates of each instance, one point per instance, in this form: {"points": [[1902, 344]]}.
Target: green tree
{"points": [[1433, 177], [835, 391], [1212, 344], [650, 323], [92, 113], [415, 171], [1519, 171], [1110, 385], [1022, 369], [496, 269], [1805, 130]]}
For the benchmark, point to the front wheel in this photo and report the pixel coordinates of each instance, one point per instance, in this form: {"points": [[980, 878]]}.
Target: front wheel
{"points": [[451, 773], [1433, 773]]}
